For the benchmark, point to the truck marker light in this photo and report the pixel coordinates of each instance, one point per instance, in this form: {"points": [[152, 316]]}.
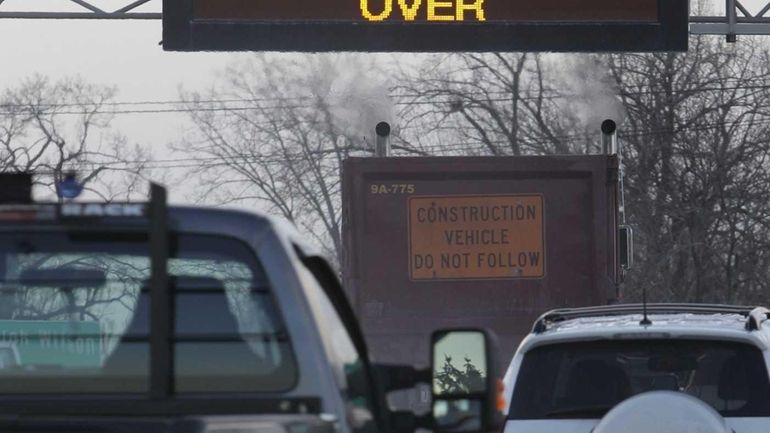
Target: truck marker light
{"points": [[501, 403]]}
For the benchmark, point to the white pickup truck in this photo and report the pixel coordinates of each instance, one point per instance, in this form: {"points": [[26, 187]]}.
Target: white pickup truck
{"points": [[147, 318]]}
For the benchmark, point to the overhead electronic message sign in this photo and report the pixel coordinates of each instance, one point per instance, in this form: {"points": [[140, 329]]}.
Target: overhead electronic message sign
{"points": [[425, 25]]}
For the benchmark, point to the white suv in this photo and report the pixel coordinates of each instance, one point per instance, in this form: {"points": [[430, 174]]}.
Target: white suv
{"points": [[663, 368]]}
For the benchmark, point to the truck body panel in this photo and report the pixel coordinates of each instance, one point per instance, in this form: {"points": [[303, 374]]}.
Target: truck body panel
{"points": [[509, 237]]}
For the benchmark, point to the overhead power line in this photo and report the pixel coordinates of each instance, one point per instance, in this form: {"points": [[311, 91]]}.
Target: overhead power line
{"points": [[281, 156], [45, 109]]}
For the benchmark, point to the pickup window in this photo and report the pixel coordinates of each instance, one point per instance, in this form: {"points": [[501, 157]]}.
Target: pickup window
{"points": [[75, 312], [587, 379]]}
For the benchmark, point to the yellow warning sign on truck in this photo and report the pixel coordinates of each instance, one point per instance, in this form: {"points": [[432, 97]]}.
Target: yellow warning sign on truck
{"points": [[476, 237]]}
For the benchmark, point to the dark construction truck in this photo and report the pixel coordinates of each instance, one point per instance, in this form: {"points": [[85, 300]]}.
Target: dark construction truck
{"points": [[139, 317], [491, 242]]}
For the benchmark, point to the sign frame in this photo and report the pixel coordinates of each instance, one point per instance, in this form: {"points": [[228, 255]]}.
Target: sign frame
{"points": [[183, 32]]}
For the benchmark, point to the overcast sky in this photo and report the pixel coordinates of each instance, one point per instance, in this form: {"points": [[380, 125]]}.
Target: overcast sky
{"points": [[123, 53]]}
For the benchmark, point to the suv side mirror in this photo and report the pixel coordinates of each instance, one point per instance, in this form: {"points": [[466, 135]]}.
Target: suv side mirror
{"points": [[464, 382]]}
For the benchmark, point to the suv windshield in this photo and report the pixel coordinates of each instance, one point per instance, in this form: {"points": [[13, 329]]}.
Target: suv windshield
{"points": [[75, 313], [586, 379]]}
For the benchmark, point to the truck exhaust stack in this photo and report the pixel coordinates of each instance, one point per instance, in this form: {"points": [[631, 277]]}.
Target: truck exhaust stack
{"points": [[382, 146], [609, 138]]}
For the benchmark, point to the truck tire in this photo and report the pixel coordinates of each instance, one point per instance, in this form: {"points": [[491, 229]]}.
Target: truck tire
{"points": [[662, 412]]}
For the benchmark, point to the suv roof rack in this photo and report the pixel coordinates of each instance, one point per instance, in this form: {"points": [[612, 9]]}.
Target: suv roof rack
{"points": [[755, 316]]}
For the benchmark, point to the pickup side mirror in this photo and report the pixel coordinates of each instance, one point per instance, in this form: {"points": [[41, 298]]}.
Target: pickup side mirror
{"points": [[464, 382]]}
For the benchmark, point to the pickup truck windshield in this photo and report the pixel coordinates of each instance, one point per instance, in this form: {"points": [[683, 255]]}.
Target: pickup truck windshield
{"points": [[75, 313], [587, 379]]}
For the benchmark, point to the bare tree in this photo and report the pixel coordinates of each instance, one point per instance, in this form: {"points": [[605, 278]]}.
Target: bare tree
{"points": [[694, 125], [283, 142], [698, 187], [487, 104], [49, 128], [276, 133]]}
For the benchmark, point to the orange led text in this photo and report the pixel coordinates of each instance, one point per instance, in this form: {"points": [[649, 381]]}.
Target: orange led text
{"points": [[436, 10]]}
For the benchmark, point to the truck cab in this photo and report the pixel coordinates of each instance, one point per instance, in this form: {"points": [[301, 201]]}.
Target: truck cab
{"points": [[145, 317]]}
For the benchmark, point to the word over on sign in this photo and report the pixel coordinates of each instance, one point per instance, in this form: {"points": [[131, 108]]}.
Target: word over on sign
{"points": [[476, 237], [436, 10]]}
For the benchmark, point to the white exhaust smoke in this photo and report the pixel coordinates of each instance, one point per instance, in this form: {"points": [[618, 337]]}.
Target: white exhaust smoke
{"points": [[589, 93], [358, 96]]}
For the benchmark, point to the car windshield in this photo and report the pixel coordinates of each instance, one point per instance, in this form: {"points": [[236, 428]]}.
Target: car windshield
{"points": [[586, 379], [75, 313]]}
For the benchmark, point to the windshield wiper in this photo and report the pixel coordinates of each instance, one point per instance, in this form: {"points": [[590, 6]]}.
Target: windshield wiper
{"points": [[596, 411]]}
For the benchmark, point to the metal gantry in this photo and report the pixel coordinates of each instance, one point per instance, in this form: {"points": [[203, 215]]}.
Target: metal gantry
{"points": [[736, 19], [88, 11]]}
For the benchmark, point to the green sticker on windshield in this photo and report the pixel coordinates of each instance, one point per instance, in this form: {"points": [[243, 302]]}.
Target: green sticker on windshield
{"points": [[28, 343]]}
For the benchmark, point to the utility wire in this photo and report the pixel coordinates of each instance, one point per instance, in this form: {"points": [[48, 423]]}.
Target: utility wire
{"points": [[205, 162], [44, 109]]}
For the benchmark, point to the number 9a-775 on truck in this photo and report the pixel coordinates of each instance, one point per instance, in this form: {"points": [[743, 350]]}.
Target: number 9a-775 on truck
{"points": [[142, 317]]}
